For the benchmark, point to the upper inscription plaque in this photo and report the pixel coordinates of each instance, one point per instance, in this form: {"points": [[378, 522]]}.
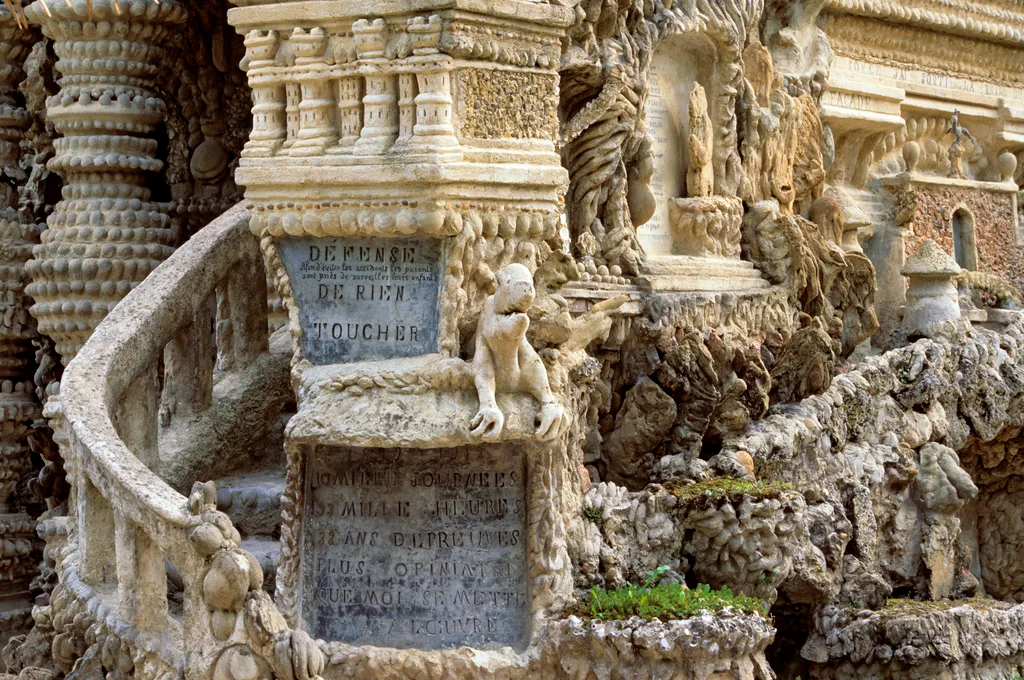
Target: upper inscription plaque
{"points": [[415, 548], [365, 298]]}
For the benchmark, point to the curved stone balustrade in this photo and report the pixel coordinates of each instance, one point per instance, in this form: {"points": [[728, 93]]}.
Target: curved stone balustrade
{"points": [[126, 520], [106, 235]]}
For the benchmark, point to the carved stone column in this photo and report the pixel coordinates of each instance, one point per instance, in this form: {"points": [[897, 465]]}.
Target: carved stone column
{"points": [[106, 235], [18, 405], [443, 180]]}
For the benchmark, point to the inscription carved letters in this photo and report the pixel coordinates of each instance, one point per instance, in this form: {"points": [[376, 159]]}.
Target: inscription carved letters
{"points": [[362, 298], [416, 548]]}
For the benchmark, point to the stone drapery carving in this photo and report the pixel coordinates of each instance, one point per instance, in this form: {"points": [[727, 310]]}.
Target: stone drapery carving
{"points": [[506, 362], [105, 235]]}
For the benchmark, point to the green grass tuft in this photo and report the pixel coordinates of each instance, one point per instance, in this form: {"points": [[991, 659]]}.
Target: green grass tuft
{"points": [[594, 514], [665, 602], [709, 492]]}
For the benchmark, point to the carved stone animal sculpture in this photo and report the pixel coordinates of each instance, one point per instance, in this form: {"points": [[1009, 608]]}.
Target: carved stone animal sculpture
{"points": [[505, 362]]}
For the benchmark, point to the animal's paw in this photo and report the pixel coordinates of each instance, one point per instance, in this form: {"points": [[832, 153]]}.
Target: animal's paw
{"points": [[297, 657], [551, 417], [488, 423]]}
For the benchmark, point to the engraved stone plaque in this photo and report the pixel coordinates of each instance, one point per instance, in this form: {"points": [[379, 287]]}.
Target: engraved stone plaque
{"points": [[365, 298], [416, 548]]}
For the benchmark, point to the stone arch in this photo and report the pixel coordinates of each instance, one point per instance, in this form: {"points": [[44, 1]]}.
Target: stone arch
{"points": [[965, 244]]}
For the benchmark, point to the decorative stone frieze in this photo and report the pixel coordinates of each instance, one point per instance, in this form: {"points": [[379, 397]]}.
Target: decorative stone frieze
{"points": [[435, 123], [106, 235]]}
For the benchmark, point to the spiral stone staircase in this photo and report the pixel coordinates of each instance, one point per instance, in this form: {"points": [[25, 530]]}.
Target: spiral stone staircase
{"points": [[168, 578]]}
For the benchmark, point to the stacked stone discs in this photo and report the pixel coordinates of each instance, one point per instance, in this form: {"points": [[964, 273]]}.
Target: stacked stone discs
{"points": [[105, 236], [18, 405]]}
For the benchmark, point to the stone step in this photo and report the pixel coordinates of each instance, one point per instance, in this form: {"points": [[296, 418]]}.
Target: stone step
{"points": [[268, 553], [253, 502]]}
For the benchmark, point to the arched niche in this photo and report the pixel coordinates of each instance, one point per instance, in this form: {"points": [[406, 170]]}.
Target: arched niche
{"points": [[679, 61], [965, 245]]}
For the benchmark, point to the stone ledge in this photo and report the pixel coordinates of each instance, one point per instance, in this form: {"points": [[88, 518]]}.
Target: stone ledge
{"points": [[681, 273], [253, 13], [704, 646], [971, 631], [912, 179], [426, 402]]}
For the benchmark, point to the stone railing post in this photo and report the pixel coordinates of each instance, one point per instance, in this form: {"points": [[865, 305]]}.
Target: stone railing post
{"points": [[444, 181], [106, 235]]}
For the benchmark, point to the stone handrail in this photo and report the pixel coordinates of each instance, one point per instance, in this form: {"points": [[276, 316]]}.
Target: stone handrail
{"points": [[128, 519]]}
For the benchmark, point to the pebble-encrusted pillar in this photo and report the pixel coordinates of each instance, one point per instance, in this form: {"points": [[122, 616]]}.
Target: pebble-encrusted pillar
{"points": [[106, 235], [18, 405]]}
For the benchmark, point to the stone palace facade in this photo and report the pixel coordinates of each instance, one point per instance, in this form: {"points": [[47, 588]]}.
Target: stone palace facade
{"points": [[511, 339]]}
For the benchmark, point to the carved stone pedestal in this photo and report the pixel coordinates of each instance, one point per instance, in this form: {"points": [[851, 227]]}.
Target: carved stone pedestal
{"points": [[933, 307], [403, 167], [705, 249]]}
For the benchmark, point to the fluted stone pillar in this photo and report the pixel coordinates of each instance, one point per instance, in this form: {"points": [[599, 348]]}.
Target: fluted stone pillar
{"points": [[18, 405], [105, 236]]}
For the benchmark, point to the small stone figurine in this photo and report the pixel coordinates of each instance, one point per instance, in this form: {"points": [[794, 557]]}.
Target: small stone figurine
{"points": [[700, 177], [505, 362], [957, 150]]}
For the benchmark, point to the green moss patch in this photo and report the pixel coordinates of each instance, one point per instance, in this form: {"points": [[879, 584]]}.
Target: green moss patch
{"points": [[711, 492], [665, 602]]}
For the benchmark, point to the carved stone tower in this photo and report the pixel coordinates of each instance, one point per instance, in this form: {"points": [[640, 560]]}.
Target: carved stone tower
{"points": [[402, 166]]}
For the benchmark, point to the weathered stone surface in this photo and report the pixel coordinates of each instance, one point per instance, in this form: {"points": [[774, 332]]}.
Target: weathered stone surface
{"points": [[645, 419], [530, 144]]}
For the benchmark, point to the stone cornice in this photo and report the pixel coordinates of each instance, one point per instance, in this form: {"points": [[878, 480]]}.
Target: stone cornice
{"points": [[866, 39], [973, 19]]}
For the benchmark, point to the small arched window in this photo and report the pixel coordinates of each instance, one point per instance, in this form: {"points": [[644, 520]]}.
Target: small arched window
{"points": [[965, 248]]}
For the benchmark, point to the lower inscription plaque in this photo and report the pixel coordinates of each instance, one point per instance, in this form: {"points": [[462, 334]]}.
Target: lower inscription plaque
{"points": [[416, 548], [365, 298]]}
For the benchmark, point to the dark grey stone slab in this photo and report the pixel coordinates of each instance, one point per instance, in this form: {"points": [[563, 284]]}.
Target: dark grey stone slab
{"points": [[416, 548], [365, 298]]}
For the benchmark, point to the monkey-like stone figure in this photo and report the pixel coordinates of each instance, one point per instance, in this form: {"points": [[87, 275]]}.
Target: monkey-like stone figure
{"points": [[505, 362]]}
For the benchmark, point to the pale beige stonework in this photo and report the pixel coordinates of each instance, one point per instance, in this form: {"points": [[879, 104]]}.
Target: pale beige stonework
{"points": [[524, 298]]}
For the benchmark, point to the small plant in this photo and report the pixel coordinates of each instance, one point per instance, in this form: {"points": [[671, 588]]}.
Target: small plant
{"points": [[593, 513], [666, 601]]}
